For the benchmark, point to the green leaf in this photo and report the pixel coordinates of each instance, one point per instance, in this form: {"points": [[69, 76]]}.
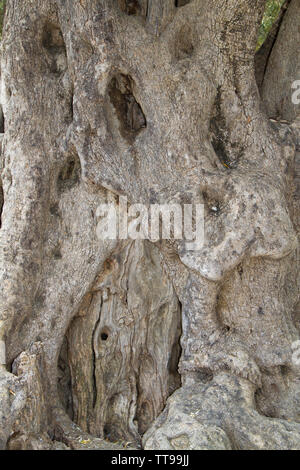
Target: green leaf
{"points": [[272, 11]]}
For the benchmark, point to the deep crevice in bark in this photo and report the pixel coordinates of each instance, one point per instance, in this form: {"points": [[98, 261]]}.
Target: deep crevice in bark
{"points": [[184, 46], [181, 3], [65, 380], [2, 121], [130, 7], [220, 134], [53, 43], [130, 115], [1, 203]]}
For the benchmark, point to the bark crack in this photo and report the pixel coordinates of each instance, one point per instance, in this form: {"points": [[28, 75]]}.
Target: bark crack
{"points": [[95, 339]]}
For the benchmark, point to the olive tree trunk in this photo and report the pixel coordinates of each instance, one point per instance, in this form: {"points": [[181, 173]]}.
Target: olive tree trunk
{"points": [[106, 344]]}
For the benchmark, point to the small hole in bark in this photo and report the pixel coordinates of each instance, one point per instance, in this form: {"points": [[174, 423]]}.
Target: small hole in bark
{"points": [[53, 43], [130, 7], [129, 112], [213, 205], [104, 336], [260, 311], [70, 174], [240, 270]]}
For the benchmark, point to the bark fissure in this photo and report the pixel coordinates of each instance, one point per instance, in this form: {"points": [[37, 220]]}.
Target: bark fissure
{"points": [[1, 203], [129, 113], [94, 354]]}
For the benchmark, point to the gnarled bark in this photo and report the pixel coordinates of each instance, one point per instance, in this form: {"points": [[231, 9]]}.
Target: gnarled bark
{"points": [[155, 100]]}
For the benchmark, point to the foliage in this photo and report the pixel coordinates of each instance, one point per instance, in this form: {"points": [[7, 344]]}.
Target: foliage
{"points": [[273, 8], [2, 9]]}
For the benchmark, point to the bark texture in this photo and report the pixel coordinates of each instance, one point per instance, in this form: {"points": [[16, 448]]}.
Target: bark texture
{"points": [[155, 100]]}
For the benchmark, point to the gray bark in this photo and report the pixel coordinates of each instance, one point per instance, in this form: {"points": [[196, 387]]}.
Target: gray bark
{"points": [[155, 100]]}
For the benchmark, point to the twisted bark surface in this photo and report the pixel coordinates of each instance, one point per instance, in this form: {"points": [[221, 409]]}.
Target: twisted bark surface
{"points": [[155, 100]]}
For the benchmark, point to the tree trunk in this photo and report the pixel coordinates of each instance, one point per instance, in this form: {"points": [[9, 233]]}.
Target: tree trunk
{"points": [[108, 343]]}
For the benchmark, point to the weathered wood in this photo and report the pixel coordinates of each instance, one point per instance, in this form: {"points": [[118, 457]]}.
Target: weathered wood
{"points": [[158, 103], [123, 347]]}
